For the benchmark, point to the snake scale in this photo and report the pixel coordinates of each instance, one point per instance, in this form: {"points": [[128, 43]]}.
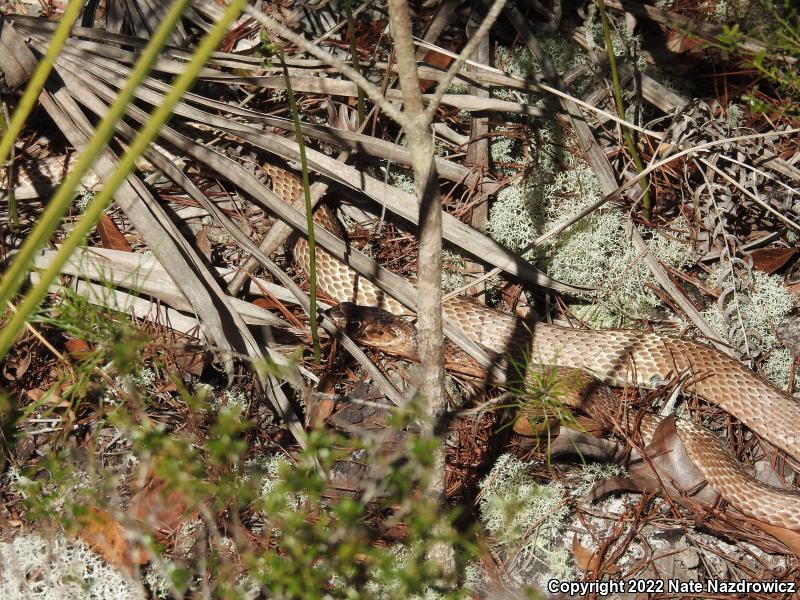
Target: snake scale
{"points": [[610, 355]]}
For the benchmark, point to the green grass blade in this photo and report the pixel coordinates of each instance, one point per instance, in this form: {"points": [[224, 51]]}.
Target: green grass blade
{"points": [[39, 77], [626, 132], [59, 203], [312, 245], [150, 130]]}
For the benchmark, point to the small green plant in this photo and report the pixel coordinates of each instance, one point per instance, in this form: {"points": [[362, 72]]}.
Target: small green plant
{"points": [[776, 61], [208, 504], [544, 391]]}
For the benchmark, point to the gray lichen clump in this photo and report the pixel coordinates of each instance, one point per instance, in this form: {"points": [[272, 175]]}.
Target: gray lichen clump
{"points": [[59, 569], [593, 253]]}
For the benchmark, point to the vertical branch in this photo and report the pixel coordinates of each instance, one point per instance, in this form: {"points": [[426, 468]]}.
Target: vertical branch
{"points": [[429, 262], [420, 142], [351, 33], [478, 158]]}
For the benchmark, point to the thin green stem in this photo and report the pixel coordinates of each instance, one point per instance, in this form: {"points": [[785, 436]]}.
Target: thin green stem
{"points": [[10, 130], [312, 245], [13, 212], [38, 79], [626, 132], [148, 133]]}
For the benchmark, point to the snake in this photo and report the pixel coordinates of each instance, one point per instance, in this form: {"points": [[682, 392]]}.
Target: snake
{"points": [[614, 357]]}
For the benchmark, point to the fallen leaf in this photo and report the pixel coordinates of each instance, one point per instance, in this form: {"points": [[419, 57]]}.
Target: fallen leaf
{"points": [[770, 260], [15, 368], [588, 560], [262, 302], [546, 429], [678, 42], [110, 235], [77, 347], [435, 59], [788, 537], [203, 243], [668, 470], [320, 408], [35, 394], [158, 508], [585, 558], [675, 472], [192, 361], [103, 534]]}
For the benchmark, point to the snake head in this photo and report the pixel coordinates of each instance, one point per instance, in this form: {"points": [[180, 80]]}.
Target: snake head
{"points": [[377, 328]]}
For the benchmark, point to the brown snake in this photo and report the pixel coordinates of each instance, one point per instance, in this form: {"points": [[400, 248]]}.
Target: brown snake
{"points": [[610, 355]]}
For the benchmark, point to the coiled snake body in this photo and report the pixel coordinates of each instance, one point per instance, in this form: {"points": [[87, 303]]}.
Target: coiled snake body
{"points": [[610, 355]]}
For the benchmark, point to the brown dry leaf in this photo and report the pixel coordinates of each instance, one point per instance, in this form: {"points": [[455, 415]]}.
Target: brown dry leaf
{"points": [[435, 59], [54, 400], [192, 361], [103, 534], [77, 347], [585, 558], [675, 473], [546, 429], [110, 235], [588, 560], [157, 507], [788, 537], [203, 243], [678, 42], [770, 260], [319, 410], [321, 402], [14, 369], [35, 394], [262, 302]]}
